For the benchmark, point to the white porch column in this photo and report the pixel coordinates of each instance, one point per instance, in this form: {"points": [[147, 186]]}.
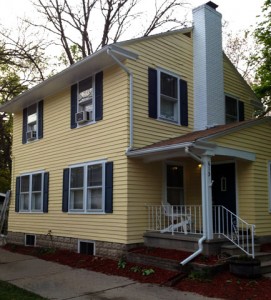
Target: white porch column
{"points": [[206, 185]]}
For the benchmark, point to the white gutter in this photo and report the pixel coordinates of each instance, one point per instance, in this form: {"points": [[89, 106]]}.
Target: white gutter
{"points": [[203, 238], [109, 52]]}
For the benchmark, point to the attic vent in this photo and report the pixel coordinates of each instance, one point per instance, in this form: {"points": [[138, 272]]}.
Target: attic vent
{"points": [[30, 240], [212, 5], [86, 248]]}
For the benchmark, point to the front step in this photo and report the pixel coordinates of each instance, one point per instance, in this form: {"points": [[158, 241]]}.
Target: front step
{"points": [[232, 250], [264, 257]]}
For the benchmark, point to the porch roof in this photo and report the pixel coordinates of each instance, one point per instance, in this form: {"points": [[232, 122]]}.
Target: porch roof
{"points": [[199, 142]]}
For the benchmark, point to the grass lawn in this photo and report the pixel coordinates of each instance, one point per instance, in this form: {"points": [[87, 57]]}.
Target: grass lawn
{"points": [[11, 292]]}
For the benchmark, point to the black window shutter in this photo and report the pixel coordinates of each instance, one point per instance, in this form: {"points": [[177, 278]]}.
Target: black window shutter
{"points": [[24, 129], [152, 93], [65, 195], [109, 187], [40, 119], [45, 191], [183, 103], [241, 111], [17, 195], [73, 105], [99, 96]]}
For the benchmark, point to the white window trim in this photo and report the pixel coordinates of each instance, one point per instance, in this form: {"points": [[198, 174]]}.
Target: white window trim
{"points": [[159, 71], [269, 185], [37, 124], [237, 110], [93, 101], [84, 210], [30, 192], [35, 240], [86, 241], [171, 163]]}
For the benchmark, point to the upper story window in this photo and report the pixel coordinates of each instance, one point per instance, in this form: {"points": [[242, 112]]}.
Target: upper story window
{"points": [[88, 188], [169, 100], [87, 101], [167, 97], [234, 110], [32, 192], [32, 122]]}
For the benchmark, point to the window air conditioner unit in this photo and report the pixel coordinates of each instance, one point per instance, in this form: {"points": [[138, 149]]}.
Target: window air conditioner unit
{"points": [[31, 135], [83, 117]]}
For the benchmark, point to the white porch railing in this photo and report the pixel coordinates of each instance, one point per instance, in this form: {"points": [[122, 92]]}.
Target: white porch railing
{"points": [[175, 218], [187, 219], [235, 229]]}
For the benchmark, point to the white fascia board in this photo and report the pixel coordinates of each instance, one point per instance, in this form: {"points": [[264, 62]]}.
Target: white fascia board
{"points": [[76, 72], [156, 150], [246, 155]]}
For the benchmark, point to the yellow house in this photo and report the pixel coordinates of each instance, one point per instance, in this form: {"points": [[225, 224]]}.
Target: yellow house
{"points": [[152, 137]]}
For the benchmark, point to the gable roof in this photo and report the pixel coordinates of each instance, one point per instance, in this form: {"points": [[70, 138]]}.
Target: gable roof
{"points": [[197, 136], [76, 72]]}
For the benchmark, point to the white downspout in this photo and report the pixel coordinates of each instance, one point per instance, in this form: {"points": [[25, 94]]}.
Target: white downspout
{"points": [[203, 238], [131, 141]]}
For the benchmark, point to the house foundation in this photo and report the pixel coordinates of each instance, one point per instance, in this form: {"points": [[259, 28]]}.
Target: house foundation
{"points": [[101, 248]]}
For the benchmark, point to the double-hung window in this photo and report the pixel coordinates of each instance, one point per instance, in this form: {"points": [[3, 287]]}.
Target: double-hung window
{"points": [[85, 100], [32, 122], [174, 184], [32, 192], [87, 188], [168, 97], [234, 110]]}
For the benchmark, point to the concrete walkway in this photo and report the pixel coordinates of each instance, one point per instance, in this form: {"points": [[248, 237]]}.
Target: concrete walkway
{"points": [[55, 281]]}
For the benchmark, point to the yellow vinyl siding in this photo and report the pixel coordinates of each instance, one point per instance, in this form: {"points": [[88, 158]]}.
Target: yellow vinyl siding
{"points": [[61, 147], [173, 53], [235, 86], [252, 177]]}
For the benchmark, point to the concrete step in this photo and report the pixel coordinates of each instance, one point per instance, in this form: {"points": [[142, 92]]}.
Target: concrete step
{"points": [[232, 249], [266, 267], [263, 256], [3, 240]]}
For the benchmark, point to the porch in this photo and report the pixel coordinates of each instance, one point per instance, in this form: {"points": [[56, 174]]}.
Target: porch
{"points": [[181, 227]]}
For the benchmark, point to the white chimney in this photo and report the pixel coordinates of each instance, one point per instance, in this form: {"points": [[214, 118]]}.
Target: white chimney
{"points": [[209, 103]]}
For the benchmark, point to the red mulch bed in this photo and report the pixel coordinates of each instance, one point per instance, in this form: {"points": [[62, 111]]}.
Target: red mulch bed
{"points": [[223, 285], [177, 255]]}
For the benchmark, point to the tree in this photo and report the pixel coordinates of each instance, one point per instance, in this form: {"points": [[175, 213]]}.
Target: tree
{"points": [[85, 28], [238, 48], [262, 86]]}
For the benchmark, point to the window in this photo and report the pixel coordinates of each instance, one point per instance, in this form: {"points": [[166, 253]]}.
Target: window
{"points": [[234, 110], [87, 188], [86, 247], [174, 184], [87, 101], [32, 192], [30, 240], [167, 97], [32, 122], [85, 98]]}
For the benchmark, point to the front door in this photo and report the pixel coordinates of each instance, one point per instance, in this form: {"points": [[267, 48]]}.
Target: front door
{"points": [[224, 192]]}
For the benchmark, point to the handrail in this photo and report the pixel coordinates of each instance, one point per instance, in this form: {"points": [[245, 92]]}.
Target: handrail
{"points": [[235, 229]]}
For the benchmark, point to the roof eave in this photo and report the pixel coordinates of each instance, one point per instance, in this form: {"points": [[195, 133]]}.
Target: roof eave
{"points": [[76, 72]]}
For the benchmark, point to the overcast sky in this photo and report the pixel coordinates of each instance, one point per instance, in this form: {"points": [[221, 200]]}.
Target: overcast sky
{"points": [[239, 13]]}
